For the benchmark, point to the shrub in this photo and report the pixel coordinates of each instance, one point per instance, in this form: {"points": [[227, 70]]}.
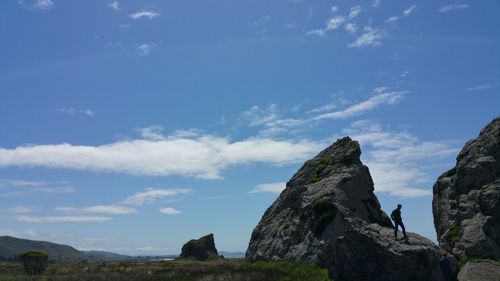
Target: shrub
{"points": [[324, 211], [34, 263]]}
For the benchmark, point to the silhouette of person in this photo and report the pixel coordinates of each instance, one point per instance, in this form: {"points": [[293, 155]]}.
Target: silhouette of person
{"points": [[396, 217], [447, 267]]}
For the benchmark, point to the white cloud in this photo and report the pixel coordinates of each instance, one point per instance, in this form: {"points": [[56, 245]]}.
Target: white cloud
{"points": [[145, 49], [9, 187], [330, 106], [354, 12], [334, 9], [75, 111], [479, 88], [202, 157], [275, 187], [170, 211], [28, 233], [152, 133], [397, 160], [150, 14], [43, 5], [452, 7], [114, 5], [335, 22], [332, 23], [388, 98], [318, 32], [392, 19], [258, 116], [371, 37], [351, 27], [17, 210], [110, 209], [65, 209], [408, 11], [150, 195], [376, 3], [60, 219]]}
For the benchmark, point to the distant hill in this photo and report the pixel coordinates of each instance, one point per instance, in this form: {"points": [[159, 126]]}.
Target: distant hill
{"points": [[12, 246]]}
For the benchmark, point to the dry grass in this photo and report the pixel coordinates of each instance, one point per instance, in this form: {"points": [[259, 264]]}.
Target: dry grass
{"points": [[218, 270]]}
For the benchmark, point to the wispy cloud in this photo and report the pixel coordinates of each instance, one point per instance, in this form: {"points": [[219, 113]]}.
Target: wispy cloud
{"points": [[75, 111], [150, 14], [150, 195], [388, 98], [408, 11], [110, 209], [371, 36], [376, 3], [481, 87], [397, 159], [275, 187], [114, 5], [354, 12], [170, 211], [351, 27], [17, 210], [28, 233], [331, 24], [60, 219], [340, 102], [145, 49], [44, 5], [452, 7], [14, 187]]}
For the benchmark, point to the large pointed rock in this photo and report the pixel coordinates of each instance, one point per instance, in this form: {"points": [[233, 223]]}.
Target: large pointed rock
{"points": [[200, 249], [466, 202], [328, 215]]}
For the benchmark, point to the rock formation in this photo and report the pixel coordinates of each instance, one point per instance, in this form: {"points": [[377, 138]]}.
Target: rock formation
{"points": [[328, 215], [480, 270], [200, 249], [466, 199]]}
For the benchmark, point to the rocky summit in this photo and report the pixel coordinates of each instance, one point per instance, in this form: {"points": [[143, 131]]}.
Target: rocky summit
{"points": [[200, 249], [328, 215], [466, 202]]}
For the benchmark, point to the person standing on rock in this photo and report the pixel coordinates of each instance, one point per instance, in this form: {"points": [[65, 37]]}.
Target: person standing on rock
{"points": [[396, 217]]}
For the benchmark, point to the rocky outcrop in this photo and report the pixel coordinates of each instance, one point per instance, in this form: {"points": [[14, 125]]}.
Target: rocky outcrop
{"points": [[200, 249], [480, 270], [328, 215], [466, 199]]}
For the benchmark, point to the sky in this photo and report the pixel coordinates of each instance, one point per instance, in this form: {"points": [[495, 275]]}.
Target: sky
{"points": [[135, 126]]}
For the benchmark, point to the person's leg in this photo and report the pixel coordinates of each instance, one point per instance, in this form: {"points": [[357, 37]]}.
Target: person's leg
{"points": [[396, 230], [403, 228]]}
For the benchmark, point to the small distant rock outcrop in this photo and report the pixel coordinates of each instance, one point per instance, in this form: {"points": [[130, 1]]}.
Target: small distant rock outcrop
{"points": [[466, 202], [200, 249], [328, 215]]}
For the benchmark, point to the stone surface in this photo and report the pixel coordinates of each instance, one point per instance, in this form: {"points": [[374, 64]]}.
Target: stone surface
{"points": [[466, 198], [200, 249], [328, 215], [481, 270]]}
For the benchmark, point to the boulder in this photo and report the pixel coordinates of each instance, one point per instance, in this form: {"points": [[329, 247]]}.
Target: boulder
{"points": [[200, 249], [329, 216], [480, 270], [466, 199]]}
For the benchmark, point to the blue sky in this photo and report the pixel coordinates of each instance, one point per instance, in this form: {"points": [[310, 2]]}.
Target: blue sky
{"points": [[134, 126]]}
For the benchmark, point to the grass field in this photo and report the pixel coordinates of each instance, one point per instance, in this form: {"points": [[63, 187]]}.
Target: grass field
{"points": [[182, 270]]}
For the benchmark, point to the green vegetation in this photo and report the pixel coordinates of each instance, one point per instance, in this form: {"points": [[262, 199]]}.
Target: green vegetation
{"points": [[324, 211], [453, 235], [34, 263], [178, 270], [323, 163]]}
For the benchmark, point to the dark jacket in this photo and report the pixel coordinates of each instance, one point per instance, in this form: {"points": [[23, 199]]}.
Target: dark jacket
{"points": [[396, 215]]}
